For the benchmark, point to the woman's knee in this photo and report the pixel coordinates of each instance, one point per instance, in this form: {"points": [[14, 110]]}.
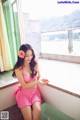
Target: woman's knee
{"points": [[38, 109], [27, 113], [27, 117], [36, 113]]}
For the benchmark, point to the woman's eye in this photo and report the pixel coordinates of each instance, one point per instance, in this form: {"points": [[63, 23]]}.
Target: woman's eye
{"points": [[28, 56]]}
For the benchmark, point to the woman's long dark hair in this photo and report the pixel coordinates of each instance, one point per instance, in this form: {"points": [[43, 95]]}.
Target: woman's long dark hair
{"points": [[20, 61]]}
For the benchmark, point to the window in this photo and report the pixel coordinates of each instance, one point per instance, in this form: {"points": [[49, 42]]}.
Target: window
{"points": [[65, 42], [59, 26]]}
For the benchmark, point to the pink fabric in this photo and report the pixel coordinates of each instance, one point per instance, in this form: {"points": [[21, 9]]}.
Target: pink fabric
{"points": [[26, 97]]}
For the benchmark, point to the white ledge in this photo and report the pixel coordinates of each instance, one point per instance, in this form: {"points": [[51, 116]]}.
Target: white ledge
{"points": [[61, 75], [6, 79]]}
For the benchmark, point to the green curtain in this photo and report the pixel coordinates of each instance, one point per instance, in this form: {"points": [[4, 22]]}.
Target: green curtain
{"points": [[10, 29], [16, 27], [9, 36], [5, 54]]}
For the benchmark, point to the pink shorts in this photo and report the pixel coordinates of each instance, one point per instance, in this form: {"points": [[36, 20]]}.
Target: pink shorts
{"points": [[26, 97]]}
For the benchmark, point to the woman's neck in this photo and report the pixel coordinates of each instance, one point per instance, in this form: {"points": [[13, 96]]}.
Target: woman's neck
{"points": [[26, 65]]}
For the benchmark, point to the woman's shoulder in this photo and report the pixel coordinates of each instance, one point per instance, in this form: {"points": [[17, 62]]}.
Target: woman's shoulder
{"points": [[36, 60], [18, 69], [37, 64]]}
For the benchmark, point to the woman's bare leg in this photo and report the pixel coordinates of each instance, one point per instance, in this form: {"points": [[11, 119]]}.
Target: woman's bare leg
{"points": [[36, 110], [27, 113]]}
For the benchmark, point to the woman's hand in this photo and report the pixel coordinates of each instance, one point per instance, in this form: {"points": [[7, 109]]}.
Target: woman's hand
{"points": [[43, 81]]}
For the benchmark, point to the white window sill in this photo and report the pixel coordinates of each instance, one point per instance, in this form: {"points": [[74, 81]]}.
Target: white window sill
{"points": [[63, 76], [6, 79], [61, 57]]}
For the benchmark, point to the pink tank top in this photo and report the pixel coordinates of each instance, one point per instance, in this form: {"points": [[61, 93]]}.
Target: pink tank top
{"points": [[27, 78]]}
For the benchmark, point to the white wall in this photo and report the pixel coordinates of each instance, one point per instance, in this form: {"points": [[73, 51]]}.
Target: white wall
{"points": [[64, 102], [32, 33], [7, 98]]}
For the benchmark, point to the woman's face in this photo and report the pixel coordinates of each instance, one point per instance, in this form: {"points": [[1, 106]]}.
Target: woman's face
{"points": [[28, 56]]}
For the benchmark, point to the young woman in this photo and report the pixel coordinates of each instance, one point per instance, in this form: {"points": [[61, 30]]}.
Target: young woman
{"points": [[27, 95]]}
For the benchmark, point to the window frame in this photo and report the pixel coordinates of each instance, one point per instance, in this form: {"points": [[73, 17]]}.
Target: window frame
{"points": [[63, 57]]}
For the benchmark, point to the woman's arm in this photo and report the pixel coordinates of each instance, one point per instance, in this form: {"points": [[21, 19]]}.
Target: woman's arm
{"points": [[44, 81], [23, 83]]}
